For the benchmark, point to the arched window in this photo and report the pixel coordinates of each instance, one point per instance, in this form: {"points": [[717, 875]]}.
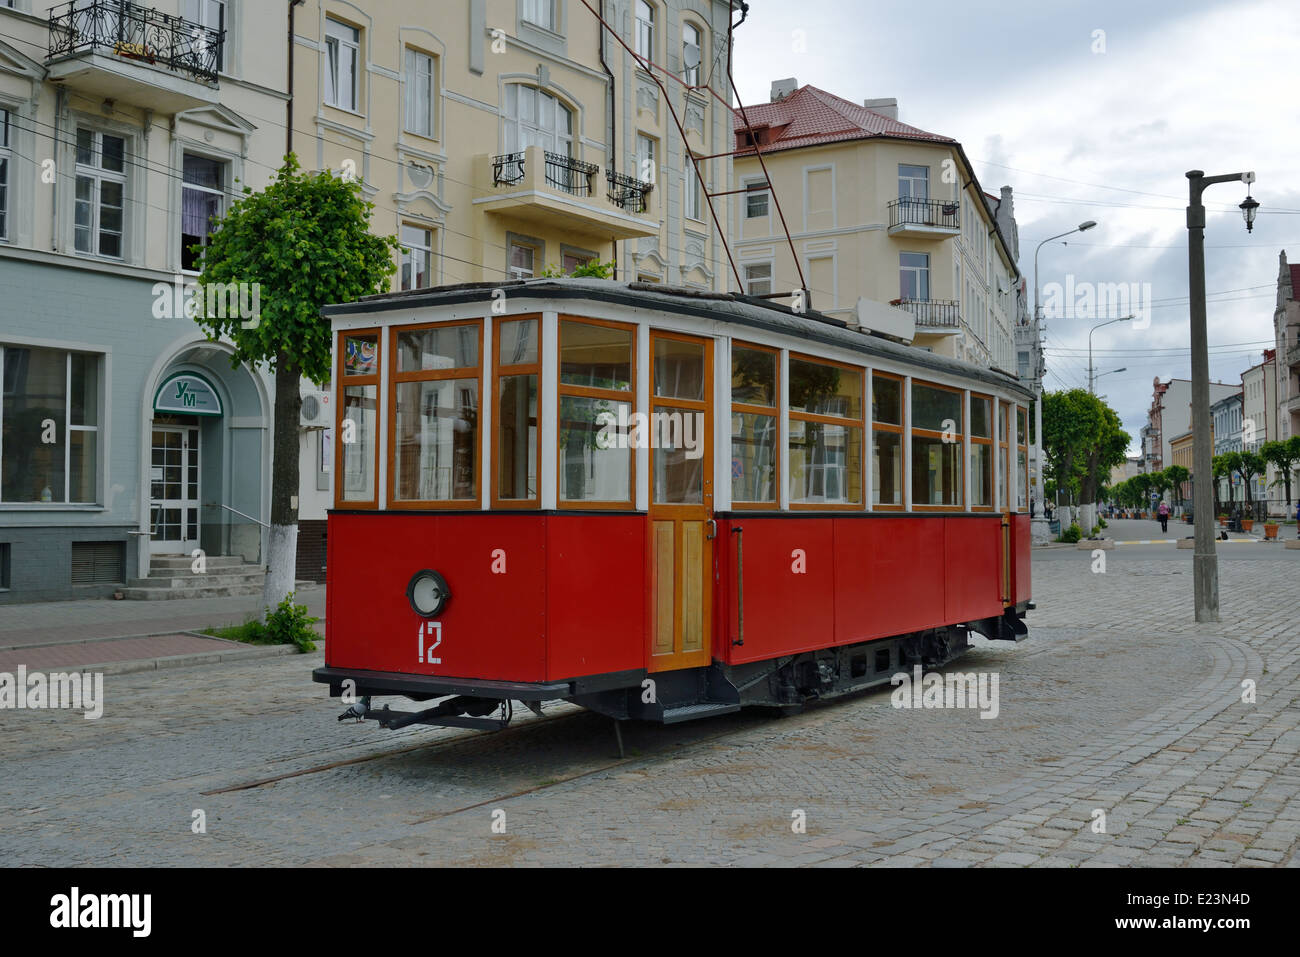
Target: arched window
{"points": [[534, 118], [692, 53]]}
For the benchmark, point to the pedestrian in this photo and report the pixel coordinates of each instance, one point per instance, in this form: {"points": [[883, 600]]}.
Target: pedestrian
{"points": [[1297, 519], [1163, 512]]}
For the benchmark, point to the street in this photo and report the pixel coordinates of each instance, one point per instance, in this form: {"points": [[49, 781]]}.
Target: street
{"points": [[1122, 738]]}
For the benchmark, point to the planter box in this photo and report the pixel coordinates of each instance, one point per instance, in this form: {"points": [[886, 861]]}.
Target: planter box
{"points": [[1186, 543], [1292, 545], [1247, 523], [1270, 531]]}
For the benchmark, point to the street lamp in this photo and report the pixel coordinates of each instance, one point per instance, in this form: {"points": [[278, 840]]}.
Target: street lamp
{"points": [[1205, 563], [1081, 228], [1111, 372], [1092, 378]]}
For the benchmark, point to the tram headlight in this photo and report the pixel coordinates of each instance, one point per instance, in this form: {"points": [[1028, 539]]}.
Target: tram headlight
{"points": [[428, 593]]}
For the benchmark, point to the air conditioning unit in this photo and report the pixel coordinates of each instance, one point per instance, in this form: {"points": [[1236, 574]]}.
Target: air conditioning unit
{"points": [[315, 411]]}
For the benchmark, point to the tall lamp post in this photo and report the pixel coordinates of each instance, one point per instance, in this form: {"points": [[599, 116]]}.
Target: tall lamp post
{"points": [[1205, 563], [1111, 372], [1091, 368], [1040, 530]]}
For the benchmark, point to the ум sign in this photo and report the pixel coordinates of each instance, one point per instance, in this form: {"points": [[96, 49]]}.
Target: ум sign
{"points": [[187, 394]]}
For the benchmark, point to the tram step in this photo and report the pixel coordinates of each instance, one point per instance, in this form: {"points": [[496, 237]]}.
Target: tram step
{"points": [[690, 712]]}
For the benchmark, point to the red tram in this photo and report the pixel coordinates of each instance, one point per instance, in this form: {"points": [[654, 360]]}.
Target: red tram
{"points": [[656, 503]]}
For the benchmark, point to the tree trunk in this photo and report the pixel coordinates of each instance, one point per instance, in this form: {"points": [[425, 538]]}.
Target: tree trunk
{"points": [[282, 541]]}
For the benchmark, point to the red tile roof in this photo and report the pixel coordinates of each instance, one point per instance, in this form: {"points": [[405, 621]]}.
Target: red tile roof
{"points": [[812, 117]]}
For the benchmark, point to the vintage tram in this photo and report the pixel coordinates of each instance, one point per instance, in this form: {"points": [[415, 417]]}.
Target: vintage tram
{"points": [[656, 503]]}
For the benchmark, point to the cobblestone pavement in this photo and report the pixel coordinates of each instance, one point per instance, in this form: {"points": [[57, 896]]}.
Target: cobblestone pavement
{"points": [[1118, 704]]}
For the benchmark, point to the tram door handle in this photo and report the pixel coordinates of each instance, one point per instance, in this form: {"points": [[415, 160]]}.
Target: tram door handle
{"points": [[713, 530]]}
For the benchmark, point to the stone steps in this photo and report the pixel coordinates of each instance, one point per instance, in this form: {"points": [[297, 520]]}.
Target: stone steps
{"points": [[173, 576]]}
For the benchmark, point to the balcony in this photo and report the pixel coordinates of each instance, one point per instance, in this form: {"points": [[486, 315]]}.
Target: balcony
{"points": [[934, 315], [924, 218], [121, 51], [545, 190]]}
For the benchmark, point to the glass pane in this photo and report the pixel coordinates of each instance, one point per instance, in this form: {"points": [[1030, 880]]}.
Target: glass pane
{"points": [[595, 454], [597, 357], [34, 436], [359, 407], [360, 355], [85, 389], [1021, 474], [519, 342], [981, 474], [935, 409], [435, 453], [936, 471], [202, 171], [886, 400], [114, 151], [980, 414], [825, 463], [753, 457], [85, 147], [442, 347], [678, 453], [679, 369], [753, 376], [82, 465], [887, 469], [825, 389], [517, 436], [1021, 432]]}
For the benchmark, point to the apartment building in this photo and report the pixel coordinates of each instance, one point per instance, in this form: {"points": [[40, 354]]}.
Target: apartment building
{"points": [[880, 212], [124, 131], [1259, 421], [1170, 416], [1286, 332]]}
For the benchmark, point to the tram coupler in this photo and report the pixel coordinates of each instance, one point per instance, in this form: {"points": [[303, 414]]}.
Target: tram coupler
{"points": [[457, 712]]}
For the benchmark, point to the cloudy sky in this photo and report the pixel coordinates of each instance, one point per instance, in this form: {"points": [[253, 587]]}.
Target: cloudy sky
{"points": [[1079, 135]]}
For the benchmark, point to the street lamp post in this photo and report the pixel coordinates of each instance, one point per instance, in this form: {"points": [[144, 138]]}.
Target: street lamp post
{"points": [[1111, 372], [1205, 563], [1040, 530], [1092, 378]]}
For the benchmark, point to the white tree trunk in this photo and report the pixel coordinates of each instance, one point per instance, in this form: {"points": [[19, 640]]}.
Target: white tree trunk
{"points": [[281, 562]]}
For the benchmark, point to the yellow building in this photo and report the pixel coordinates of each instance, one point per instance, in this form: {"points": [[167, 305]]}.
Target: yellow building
{"points": [[878, 210], [498, 138]]}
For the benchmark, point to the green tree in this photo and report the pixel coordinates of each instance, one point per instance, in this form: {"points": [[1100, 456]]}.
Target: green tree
{"points": [[1082, 441], [1283, 456], [1177, 475], [1219, 469], [1142, 489], [305, 241], [1247, 465]]}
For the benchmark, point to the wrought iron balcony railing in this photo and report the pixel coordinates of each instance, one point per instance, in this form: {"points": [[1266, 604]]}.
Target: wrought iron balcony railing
{"points": [[627, 192], [571, 175], [508, 169], [906, 211], [133, 32], [942, 313]]}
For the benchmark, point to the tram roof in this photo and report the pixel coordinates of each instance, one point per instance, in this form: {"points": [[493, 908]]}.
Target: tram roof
{"points": [[730, 307]]}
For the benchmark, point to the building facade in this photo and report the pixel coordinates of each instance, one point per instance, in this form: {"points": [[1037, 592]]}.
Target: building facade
{"points": [[1286, 332], [1259, 423], [1170, 415]]}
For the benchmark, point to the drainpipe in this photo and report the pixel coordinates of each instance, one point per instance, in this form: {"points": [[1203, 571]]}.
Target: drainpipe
{"points": [[288, 107], [611, 152]]}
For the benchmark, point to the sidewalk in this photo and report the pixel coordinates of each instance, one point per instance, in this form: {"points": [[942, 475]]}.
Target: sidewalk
{"points": [[123, 636], [1137, 531]]}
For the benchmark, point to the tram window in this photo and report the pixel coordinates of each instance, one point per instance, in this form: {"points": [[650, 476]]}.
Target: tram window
{"points": [[824, 447], [595, 405], [981, 452], [1022, 459], [679, 369], [886, 441], [518, 435], [434, 429], [936, 410], [936, 446], [1004, 459], [357, 435], [886, 400], [754, 449]]}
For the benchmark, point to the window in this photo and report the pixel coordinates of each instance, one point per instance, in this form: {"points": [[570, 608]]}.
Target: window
{"points": [[645, 158], [597, 391], [210, 14], [936, 446], [342, 56], [645, 30], [100, 200], [824, 445], [435, 427], [572, 261], [754, 449], [692, 53], [540, 13], [420, 99], [981, 452], [886, 441], [522, 259], [518, 435], [417, 257], [758, 279], [357, 443], [913, 182], [914, 276], [1004, 458], [679, 420], [1022, 459], [49, 426], [534, 118], [756, 199], [203, 196], [694, 201], [4, 174]]}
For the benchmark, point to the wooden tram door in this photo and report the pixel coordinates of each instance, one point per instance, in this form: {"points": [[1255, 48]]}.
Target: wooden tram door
{"points": [[680, 436]]}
